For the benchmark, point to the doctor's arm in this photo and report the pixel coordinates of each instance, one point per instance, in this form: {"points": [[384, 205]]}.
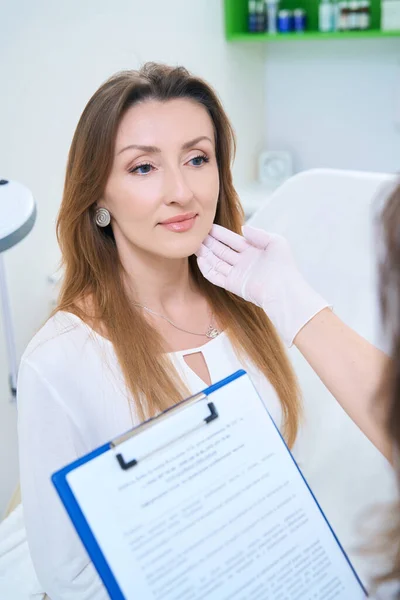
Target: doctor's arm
{"points": [[260, 268], [351, 368]]}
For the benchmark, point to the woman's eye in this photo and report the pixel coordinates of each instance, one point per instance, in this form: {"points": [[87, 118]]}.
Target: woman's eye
{"points": [[197, 161], [142, 169]]}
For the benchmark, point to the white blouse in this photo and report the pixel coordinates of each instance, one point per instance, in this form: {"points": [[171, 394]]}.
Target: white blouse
{"points": [[72, 398]]}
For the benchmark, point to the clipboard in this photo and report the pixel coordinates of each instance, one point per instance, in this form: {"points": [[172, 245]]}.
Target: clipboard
{"points": [[205, 501]]}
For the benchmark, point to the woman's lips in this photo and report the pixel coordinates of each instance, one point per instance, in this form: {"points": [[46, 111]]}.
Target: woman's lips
{"points": [[180, 226]]}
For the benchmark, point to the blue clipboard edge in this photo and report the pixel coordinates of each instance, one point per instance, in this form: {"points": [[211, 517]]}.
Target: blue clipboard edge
{"points": [[81, 525], [59, 480], [326, 520], [319, 507], [85, 533]]}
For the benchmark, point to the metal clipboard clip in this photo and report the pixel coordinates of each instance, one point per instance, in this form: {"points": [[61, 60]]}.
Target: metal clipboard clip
{"points": [[125, 465]]}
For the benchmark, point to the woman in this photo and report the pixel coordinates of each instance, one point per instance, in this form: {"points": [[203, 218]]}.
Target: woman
{"points": [[137, 326]]}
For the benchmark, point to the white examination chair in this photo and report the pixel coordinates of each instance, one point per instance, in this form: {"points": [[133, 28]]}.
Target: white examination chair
{"points": [[328, 218]]}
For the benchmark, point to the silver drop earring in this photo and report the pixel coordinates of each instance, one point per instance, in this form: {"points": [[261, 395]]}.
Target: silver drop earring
{"points": [[103, 217]]}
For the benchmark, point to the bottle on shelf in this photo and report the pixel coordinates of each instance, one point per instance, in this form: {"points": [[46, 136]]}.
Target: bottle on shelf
{"points": [[390, 15], [335, 15], [354, 16], [252, 16], [343, 24], [272, 16], [299, 20], [365, 15], [325, 16], [285, 18], [261, 16]]}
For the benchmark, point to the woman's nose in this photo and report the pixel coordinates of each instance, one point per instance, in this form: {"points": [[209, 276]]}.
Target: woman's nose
{"points": [[177, 189]]}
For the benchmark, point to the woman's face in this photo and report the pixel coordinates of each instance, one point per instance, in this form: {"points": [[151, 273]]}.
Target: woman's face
{"points": [[163, 188]]}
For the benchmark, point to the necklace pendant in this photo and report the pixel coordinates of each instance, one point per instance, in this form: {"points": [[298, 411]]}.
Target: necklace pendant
{"points": [[212, 332]]}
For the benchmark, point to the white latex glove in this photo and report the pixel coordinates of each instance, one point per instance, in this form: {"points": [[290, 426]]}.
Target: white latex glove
{"points": [[259, 267]]}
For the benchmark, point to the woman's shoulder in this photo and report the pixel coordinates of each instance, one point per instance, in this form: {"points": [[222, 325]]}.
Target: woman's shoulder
{"points": [[64, 337]]}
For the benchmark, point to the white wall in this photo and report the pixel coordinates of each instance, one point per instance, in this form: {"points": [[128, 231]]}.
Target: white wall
{"points": [[332, 103], [53, 55], [335, 103]]}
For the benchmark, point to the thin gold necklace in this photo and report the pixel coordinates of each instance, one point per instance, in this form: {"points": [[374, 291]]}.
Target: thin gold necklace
{"points": [[212, 332]]}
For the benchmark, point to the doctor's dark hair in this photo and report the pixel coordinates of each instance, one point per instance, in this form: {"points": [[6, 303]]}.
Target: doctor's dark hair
{"points": [[93, 286]]}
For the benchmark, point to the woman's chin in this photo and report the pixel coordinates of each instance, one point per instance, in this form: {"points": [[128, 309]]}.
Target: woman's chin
{"points": [[182, 247], [183, 252]]}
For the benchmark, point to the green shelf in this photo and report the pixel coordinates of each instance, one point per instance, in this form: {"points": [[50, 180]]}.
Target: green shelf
{"points": [[310, 35], [236, 24]]}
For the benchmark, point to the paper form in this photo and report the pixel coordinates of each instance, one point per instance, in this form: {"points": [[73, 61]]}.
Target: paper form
{"points": [[222, 513]]}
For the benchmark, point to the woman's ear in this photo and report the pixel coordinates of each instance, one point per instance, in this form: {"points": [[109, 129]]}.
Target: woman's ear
{"points": [[101, 203]]}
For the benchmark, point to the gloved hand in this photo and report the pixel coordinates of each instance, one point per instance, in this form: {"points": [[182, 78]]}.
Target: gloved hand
{"points": [[259, 267]]}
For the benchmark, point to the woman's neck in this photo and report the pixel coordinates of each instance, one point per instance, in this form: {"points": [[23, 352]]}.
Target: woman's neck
{"points": [[179, 311], [158, 283]]}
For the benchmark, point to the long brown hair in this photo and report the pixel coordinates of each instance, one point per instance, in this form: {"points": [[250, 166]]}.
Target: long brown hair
{"points": [[92, 266], [389, 392]]}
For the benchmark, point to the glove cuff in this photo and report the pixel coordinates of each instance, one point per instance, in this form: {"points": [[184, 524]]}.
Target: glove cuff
{"points": [[296, 309]]}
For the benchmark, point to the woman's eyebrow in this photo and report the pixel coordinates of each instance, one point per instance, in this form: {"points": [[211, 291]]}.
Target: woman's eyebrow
{"points": [[195, 141], [149, 149], [155, 150]]}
